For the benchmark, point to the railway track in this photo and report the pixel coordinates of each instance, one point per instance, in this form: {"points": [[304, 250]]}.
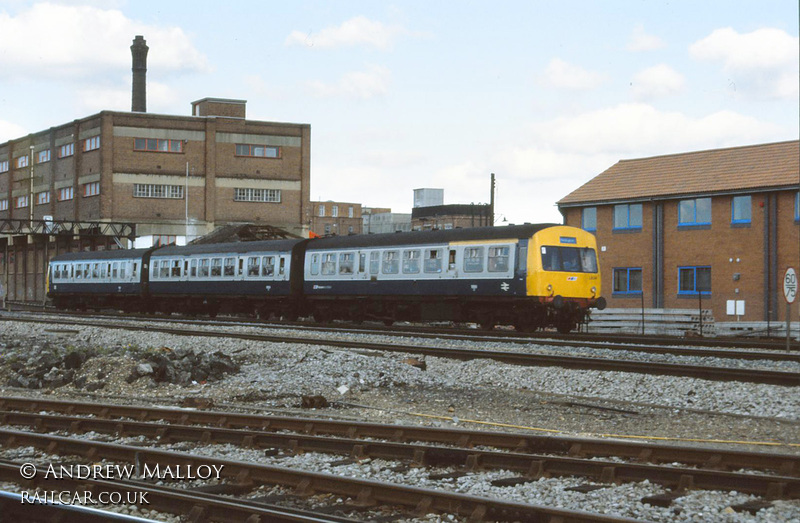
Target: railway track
{"points": [[769, 475], [516, 358]]}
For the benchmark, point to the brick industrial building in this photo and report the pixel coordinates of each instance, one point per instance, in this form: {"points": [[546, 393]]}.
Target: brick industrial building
{"points": [[716, 228], [173, 177], [340, 218]]}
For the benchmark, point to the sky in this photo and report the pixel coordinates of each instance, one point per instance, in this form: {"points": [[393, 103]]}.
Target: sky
{"points": [[428, 93]]}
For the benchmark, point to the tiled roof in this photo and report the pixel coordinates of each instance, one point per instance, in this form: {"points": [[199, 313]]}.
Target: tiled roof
{"points": [[719, 170]]}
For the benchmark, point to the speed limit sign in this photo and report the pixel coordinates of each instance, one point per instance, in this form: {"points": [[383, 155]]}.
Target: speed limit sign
{"points": [[790, 285]]}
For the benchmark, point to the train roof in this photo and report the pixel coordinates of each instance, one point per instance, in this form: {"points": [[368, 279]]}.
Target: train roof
{"points": [[112, 254], [229, 248], [429, 237]]}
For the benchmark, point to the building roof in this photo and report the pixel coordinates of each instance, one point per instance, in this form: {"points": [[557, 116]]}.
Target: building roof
{"points": [[764, 166]]}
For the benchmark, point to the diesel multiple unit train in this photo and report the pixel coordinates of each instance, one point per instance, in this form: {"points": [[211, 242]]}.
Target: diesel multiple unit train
{"points": [[530, 276]]}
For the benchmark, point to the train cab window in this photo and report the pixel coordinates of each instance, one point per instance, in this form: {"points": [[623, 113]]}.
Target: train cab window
{"points": [[411, 261], [433, 260], [569, 259], [374, 262], [346, 263], [230, 266], [176, 269], [253, 266], [282, 266], [314, 264], [203, 269], [362, 262], [473, 259], [193, 268], [391, 262], [498, 259], [268, 266], [328, 264], [216, 267]]}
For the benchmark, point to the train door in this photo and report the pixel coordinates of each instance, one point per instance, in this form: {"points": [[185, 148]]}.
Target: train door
{"points": [[452, 267]]}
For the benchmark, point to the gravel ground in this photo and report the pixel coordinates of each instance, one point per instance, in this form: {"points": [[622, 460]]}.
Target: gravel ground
{"points": [[387, 388]]}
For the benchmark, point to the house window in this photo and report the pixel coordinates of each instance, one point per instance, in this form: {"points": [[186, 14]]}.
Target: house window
{"points": [[66, 150], [258, 195], [350, 212], [257, 151], [628, 216], [21, 202], [694, 212], [22, 161], [3, 205], [741, 209], [43, 156], [4, 166], [692, 280], [91, 144], [43, 197], [67, 193], [589, 219], [321, 211], [149, 190], [91, 189], [628, 280], [158, 145], [335, 211]]}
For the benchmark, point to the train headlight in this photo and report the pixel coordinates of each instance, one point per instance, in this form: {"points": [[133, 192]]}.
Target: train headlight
{"points": [[594, 291], [550, 288]]}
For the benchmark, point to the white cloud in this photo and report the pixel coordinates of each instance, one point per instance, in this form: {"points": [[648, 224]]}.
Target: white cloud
{"points": [[357, 84], [356, 31], [641, 41], [564, 75], [10, 131], [64, 41], [656, 82], [763, 62]]}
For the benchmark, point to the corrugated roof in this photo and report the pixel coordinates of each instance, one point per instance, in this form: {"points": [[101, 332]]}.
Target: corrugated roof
{"points": [[719, 170]]}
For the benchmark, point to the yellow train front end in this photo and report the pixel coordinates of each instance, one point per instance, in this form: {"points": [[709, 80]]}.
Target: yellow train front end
{"points": [[563, 273]]}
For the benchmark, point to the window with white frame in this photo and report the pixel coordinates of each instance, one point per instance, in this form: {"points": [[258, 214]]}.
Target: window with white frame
{"points": [[152, 190], [335, 211], [258, 195], [321, 211], [66, 193]]}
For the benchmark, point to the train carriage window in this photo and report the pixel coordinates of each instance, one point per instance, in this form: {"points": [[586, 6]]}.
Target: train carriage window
{"points": [[328, 264], [374, 262], [268, 266], [411, 261], [135, 272], [522, 258], [216, 267], [95, 270], [253, 266], [78, 272], [362, 262], [104, 270], [176, 269], [282, 266], [433, 260], [163, 271], [241, 267], [154, 269], [391, 262], [115, 270], [315, 264], [473, 259], [346, 263], [230, 266], [193, 268], [451, 260], [498, 259], [203, 268]]}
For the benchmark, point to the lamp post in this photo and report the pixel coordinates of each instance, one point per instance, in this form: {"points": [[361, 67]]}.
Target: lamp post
{"points": [[186, 201], [30, 198]]}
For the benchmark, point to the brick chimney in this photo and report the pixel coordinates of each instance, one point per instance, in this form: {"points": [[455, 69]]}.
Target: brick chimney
{"points": [[139, 98]]}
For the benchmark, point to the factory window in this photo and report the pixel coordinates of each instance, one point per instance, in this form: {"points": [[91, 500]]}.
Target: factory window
{"points": [[692, 280], [158, 145], [258, 195], [391, 262], [91, 144], [694, 212], [433, 260], [589, 219], [473, 259], [627, 280], [328, 264], [151, 190], [3, 205], [43, 197], [164, 239], [4, 166], [43, 156], [66, 150], [411, 261], [741, 209], [21, 202], [91, 189], [66, 193], [498, 259], [22, 161], [628, 217], [257, 151], [346, 263]]}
